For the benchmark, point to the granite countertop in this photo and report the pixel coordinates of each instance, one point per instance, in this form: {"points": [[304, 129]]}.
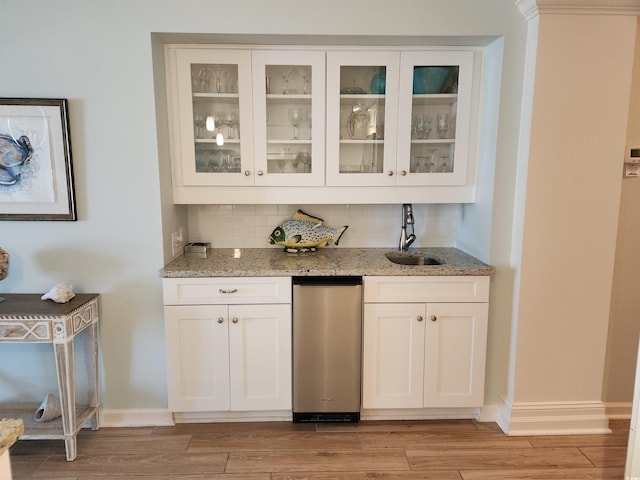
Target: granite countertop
{"points": [[10, 430], [274, 262]]}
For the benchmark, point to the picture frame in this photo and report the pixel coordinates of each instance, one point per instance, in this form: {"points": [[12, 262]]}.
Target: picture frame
{"points": [[36, 172]]}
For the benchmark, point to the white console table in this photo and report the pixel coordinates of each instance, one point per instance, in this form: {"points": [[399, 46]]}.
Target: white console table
{"points": [[25, 318]]}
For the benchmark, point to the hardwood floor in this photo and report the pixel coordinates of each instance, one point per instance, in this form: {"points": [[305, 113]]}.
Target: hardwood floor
{"points": [[412, 450]]}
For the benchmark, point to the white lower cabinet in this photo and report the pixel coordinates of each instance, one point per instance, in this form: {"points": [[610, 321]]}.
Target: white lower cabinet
{"points": [[428, 349], [228, 357]]}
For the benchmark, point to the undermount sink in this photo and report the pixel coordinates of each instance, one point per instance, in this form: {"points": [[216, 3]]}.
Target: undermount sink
{"points": [[413, 258]]}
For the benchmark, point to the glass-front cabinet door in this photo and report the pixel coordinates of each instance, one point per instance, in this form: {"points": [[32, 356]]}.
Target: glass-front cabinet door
{"points": [[289, 101], [362, 108], [434, 117], [216, 124]]}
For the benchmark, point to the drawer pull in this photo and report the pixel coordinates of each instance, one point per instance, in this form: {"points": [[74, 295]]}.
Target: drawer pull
{"points": [[419, 318], [433, 318], [403, 173], [223, 291], [220, 320], [235, 320]]}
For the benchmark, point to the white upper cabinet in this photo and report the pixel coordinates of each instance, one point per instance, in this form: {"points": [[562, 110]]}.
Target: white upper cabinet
{"points": [[212, 134], [288, 92], [320, 121], [362, 112], [434, 118]]}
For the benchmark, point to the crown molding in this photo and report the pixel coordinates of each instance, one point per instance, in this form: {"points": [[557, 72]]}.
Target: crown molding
{"points": [[532, 8]]}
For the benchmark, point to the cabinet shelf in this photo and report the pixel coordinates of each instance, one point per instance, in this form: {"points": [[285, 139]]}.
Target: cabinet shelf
{"points": [[434, 141], [286, 99], [435, 99], [362, 142]]}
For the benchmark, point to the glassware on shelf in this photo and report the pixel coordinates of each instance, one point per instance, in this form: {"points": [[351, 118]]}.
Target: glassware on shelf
{"points": [[443, 125], [296, 116], [444, 163], [421, 126]]}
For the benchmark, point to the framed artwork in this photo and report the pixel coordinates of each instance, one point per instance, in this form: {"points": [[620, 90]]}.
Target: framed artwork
{"points": [[36, 174]]}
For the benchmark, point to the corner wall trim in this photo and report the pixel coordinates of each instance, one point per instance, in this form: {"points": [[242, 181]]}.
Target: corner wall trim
{"points": [[559, 418]]}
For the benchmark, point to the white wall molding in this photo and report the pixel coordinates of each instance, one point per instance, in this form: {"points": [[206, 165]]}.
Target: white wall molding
{"points": [[136, 418], [560, 418], [531, 8], [618, 410]]}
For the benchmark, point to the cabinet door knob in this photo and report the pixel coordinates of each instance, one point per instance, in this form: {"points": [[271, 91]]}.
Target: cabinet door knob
{"points": [[220, 320], [433, 318], [247, 173], [235, 320], [419, 318], [403, 173], [260, 173], [390, 173]]}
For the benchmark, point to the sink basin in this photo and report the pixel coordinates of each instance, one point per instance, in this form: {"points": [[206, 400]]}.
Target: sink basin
{"points": [[405, 258]]}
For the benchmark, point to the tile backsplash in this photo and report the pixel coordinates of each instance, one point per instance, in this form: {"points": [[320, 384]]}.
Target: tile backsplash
{"points": [[249, 226]]}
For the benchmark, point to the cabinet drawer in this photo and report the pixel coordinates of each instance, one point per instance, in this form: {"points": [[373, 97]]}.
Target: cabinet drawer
{"points": [[426, 289], [226, 290]]}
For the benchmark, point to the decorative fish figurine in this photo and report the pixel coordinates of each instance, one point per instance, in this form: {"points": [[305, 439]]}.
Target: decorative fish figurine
{"points": [[304, 232], [13, 154]]}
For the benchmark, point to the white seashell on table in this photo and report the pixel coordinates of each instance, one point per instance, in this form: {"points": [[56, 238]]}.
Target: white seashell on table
{"points": [[59, 293]]}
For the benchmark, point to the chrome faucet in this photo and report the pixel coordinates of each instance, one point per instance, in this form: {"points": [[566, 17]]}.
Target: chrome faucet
{"points": [[407, 219]]}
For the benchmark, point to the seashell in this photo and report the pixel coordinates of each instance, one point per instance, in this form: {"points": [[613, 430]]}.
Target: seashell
{"points": [[49, 409], [59, 293], [4, 264]]}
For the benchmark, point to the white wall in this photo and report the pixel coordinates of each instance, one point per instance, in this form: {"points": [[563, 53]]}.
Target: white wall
{"points": [[624, 326], [100, 55]]}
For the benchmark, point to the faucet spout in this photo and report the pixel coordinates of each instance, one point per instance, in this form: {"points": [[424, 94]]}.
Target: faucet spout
{"points": [[406, 239]]}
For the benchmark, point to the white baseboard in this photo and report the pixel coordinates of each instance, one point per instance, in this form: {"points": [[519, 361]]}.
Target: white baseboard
{"points": [[618, 410], [136, 418], [208, 417], [559, 418], [484, 414]]}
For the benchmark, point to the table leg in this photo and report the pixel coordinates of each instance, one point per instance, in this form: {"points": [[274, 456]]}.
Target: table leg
{"points": [[91, 354], [67, 390]]}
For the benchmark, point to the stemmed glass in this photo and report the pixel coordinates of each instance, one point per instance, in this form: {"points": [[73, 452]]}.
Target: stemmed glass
{"points": [[230, 119], [443, 125], [285, 72], [296, 116], [221, 76]]}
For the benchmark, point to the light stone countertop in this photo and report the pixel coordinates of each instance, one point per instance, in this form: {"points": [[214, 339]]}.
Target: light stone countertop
{"points": [[10, 430], [331, 261]]}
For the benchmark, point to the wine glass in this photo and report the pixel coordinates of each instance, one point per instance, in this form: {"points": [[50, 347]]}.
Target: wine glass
{"points": [[295, 117], [285, 71], [444, 163], [221, 76], [230, 119], [443, 125]]}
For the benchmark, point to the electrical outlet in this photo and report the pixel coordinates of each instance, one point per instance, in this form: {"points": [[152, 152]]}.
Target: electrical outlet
{"points": [[177, 242]]}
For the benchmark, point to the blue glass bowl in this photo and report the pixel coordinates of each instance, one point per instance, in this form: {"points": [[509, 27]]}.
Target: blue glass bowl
{"points": [[429, 79]]}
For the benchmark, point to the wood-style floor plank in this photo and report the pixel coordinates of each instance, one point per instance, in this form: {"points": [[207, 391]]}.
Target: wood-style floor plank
{"points": [[404, 475], [157, 464], [479, 458], [231, 442], [385, 450], [317, 461], [422, 440], [546, 474]]}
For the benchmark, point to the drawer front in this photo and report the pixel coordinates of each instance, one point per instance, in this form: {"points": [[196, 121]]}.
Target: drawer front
{"points": [[226, 290], [25, 331], [426, 289]]}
